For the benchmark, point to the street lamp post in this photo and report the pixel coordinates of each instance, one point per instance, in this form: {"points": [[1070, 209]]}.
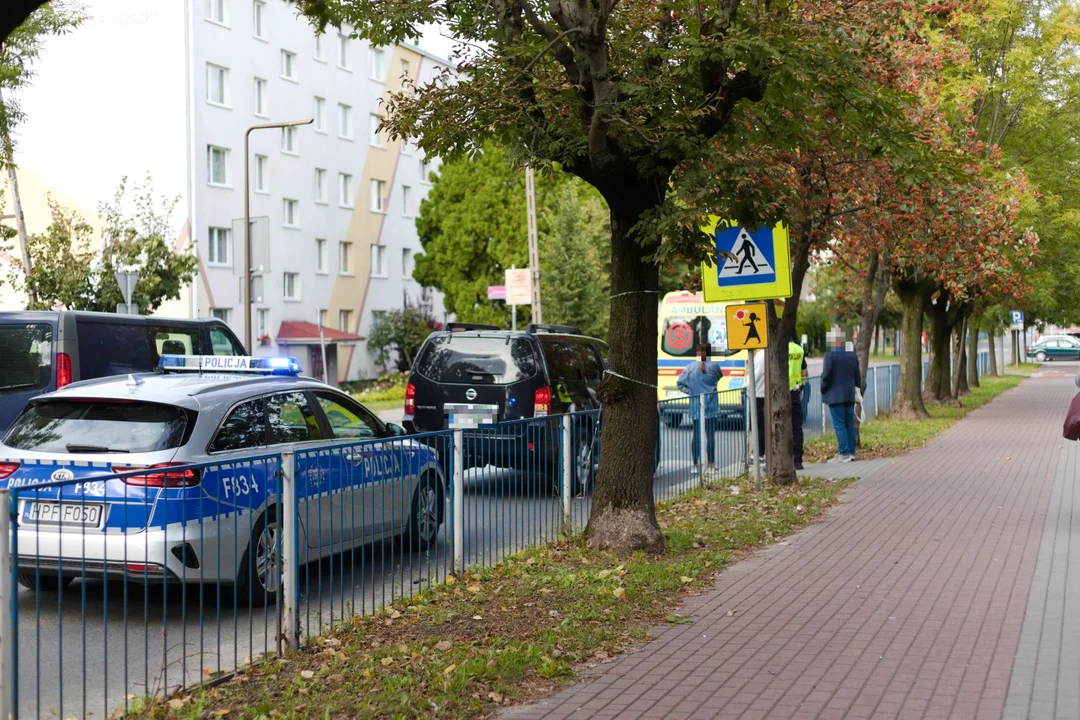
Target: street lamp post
{"points": [[247, 219]]}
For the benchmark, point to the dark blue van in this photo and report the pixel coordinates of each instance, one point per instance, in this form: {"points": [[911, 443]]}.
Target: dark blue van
{"points": [[41, 351]]}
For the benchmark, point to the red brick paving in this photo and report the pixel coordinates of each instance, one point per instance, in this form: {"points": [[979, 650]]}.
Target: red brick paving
{"points": [[907, 603]]}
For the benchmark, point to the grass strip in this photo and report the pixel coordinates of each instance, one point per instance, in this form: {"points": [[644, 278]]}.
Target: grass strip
{"points": [[514, 632], [885, 437]]}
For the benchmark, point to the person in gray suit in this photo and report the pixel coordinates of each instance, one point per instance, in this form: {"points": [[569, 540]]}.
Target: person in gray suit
{"points": [[840, 377]]}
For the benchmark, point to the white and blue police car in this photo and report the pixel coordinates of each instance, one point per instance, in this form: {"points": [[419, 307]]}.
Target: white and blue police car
{"points": [[175, 476]]}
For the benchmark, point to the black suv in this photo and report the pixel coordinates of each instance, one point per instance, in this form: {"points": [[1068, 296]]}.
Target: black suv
{"points": [[545, 370]]}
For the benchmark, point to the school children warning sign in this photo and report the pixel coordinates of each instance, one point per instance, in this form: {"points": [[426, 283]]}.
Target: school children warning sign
{"points": [[750, 264], [746, 327]]}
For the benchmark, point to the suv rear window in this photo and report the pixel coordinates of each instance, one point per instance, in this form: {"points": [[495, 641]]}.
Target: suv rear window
{"points": [[99, 426], [25, 357], [453, 358], [114, 349]]}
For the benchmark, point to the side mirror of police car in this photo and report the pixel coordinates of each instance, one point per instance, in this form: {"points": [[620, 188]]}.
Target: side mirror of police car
{"points": [[394, 430]]}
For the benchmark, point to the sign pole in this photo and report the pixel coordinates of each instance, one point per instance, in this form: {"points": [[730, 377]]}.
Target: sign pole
{"points": [[752, 395], [513, 318]]}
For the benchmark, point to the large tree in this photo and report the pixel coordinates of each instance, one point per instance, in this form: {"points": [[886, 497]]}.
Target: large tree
{"points": [[472, 226]]}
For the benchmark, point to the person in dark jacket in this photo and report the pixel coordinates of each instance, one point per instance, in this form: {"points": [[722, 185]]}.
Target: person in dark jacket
{"points": [[840, 378]]}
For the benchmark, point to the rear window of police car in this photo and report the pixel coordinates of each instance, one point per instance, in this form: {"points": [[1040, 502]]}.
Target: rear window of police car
{"points": [[454, 358], [100, 426]]}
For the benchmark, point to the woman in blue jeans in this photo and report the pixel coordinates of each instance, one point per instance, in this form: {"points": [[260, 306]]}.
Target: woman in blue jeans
{"points": [[700, 378]]}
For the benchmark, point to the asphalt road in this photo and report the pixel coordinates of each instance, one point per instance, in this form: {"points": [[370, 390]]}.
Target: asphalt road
{"points": [[86, 649]]}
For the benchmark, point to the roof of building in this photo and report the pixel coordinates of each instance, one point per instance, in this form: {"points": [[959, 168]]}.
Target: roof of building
{"points": [[298, 332]]}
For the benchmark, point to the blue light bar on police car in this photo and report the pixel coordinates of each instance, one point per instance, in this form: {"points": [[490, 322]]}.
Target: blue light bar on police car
{"points": [[229, 363]]}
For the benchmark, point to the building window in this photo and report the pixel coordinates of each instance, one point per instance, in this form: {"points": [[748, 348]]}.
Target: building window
{"points": [[288, 140], [258, 19], [320, 256], [290, 213], [261, 108], [406, 263], [345, 266], [406, 200], [320, 114], [320, 48], [288, 65], [345, 190], [221, 314], [345, 129], [220, 244], [291, 286], [217, 83], [378, 196], [404, 70], [322, 317], [262, 322], [320, 185], [343, 52], [378, 261], [261, 181], [425, 171], [217, 159], [378, 64], [375, 137], [344, 320], [215, 11]]}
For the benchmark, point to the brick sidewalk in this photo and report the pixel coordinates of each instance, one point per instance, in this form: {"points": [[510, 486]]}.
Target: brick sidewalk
{"points": [[908, 602]]}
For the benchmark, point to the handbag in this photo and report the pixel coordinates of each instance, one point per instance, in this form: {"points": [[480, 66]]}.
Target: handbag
{"points": [[860, 410], [1071, 430]]}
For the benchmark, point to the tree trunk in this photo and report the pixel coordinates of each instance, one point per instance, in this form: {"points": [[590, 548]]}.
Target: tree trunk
{"points": [[909, 400], [973, 354], [875, 286], [958, 386], [990, 334], [20, 218], [782, 331], [938, 388], [782, 461], [623, 516]]}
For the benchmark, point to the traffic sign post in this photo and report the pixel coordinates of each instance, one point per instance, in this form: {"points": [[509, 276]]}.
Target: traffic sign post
{"points": [[127, 280], [518, 291], [750, 264]]}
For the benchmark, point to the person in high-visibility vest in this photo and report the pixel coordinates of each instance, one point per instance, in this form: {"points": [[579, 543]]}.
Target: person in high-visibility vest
{"points": [[798, 381]]}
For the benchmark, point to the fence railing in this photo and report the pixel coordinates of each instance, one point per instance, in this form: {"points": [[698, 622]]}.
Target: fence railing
{"points": [[118, 586]]}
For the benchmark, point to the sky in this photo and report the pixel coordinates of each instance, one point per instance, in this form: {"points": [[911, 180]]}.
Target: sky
{"points": [[108, 100]]}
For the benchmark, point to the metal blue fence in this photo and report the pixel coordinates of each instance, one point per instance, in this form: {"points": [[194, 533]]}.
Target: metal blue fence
{"points": [[138, 583]]}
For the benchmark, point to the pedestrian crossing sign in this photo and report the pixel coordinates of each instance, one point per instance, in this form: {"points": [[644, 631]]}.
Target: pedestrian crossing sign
{"points": [[747, 328], [749, 264]]}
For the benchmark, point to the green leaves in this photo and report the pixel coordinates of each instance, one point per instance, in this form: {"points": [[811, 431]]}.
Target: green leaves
{"points": [[69, 271]]}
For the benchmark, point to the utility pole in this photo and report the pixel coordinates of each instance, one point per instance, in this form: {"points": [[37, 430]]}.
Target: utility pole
{"points": [[20, 219], [534, 243]]}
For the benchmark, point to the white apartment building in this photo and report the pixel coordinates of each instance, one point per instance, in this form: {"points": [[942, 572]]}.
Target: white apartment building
{"points": [[172, 87]]}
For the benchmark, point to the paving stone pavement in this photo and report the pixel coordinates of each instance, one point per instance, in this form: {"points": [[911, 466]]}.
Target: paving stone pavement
{"points": [[910, 601]]}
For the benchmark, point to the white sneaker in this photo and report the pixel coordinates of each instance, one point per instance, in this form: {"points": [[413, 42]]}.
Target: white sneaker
{"points": [[837, 459], [846, 458]]}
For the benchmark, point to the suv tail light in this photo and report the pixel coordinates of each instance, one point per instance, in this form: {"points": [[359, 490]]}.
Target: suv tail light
{"points": [[410, 399], [542, 402], [7, 469], [63, 370], [160, 476]]}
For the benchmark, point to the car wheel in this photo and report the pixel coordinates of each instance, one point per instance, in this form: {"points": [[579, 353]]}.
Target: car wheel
{"points": [[1040, 356], [44, 583], [426, 516], [672, 420], [259, 580]]}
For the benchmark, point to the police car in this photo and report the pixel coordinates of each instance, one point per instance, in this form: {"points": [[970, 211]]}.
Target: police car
{"points": [[174, 476]]}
